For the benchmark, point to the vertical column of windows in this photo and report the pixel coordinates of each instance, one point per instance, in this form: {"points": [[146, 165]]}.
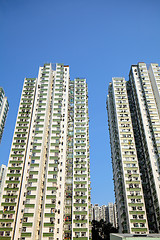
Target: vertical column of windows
{"points": [[33, 204], [53, 216], [80, 211], [116, 155], [11, 194], [52, 170], [69, 166]]}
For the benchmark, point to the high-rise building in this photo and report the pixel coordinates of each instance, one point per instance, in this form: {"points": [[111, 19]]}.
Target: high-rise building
{"points": [[134, 123], [127, 180], [3, 171], [111, 214], [96, 212], [47, 188], [4, 106], [104, 212]]}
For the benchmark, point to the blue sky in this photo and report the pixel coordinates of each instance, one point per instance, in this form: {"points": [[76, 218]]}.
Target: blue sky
{"points": [[99, 39]]}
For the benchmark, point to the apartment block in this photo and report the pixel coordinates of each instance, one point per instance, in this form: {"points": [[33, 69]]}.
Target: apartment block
{"points": [[4, 106], [47, 188], [143, 93], [126, 173], [111, 214], [134, 124]]}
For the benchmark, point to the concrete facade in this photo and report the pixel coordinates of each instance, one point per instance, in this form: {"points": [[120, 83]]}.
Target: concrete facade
{"points": [[134, 124], [47, 188], [127, 180]]}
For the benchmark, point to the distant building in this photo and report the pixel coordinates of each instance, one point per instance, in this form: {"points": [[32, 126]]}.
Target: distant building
{"points": [[3, 111], [111, 214], [96, 212], [106, 213], [3, 171]]}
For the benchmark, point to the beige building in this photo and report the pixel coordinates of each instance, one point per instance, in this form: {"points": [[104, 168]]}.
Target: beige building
{"points": [[127, 179], [134, 124], [47, 188], [111, 214]]}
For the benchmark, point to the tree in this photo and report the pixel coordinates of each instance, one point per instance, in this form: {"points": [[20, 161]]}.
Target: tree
{"points": [[101, 230]]}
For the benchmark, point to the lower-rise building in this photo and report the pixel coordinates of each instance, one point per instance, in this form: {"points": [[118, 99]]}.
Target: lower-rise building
{"points": [[107, 213]]}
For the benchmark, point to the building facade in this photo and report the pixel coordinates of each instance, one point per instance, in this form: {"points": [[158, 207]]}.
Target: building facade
{"points": [[111, 214], [143, 92], [3, 171], [126, 174], [134, 123], [4, 106], [104, 212], [47, 188], [96, 212]]}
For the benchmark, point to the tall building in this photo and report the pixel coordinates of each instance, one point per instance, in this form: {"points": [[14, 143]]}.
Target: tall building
{"points": [[3, 171], [111, 214], [4, 106], [126, 174], [134, 123], [47, 189], [104, 212], [143, 93], [96, 212]]}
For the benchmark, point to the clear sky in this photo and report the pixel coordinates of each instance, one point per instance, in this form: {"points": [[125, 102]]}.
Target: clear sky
{"points": [[99, 39]]}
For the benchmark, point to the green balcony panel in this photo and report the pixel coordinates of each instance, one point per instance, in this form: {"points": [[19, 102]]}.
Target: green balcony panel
{"points": [[6, 220], [47, 234], [31, 196], [50, 205], [139, 229], [29, 205], [8, 204], [48, 224], [6, 229], [28, 214], [5, 238], [26, 234], [80, 212], [49, 214], [27, 224], [50, 196]]}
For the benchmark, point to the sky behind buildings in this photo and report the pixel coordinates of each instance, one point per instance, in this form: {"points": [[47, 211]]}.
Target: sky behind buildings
{"points": [[98, 39]]}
